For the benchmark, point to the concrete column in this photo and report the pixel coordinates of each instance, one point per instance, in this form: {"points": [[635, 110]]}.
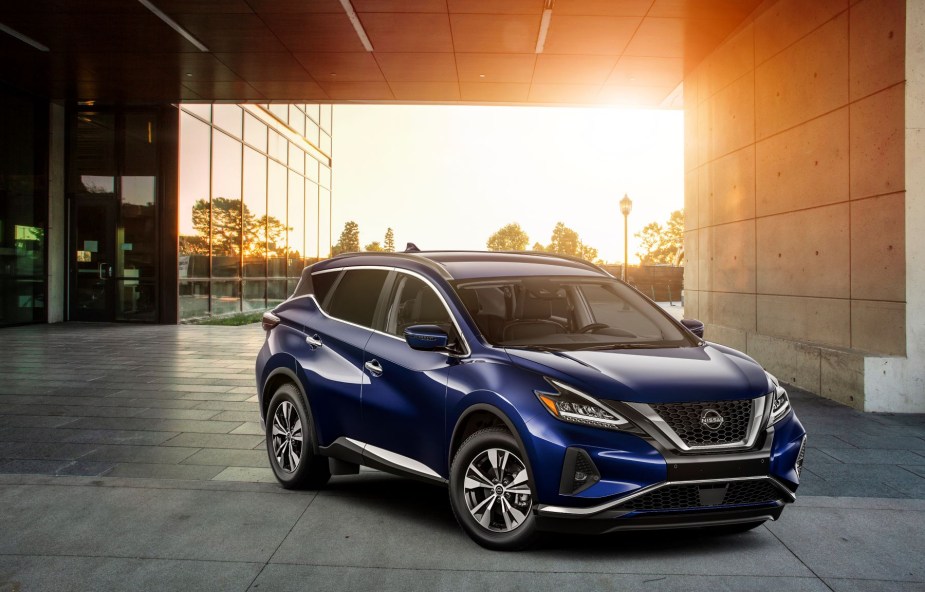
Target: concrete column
{"points": [[56, 236], [898, 384]]}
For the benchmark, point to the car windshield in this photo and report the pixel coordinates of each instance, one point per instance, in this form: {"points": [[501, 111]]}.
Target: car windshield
{"points": [[565, 313]]}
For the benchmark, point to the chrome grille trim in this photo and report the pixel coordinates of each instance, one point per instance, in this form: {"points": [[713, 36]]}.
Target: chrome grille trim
{"points": [[756, 420]]}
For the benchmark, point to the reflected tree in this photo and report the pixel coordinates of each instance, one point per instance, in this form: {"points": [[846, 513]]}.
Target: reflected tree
{"points": [[234, 229]]}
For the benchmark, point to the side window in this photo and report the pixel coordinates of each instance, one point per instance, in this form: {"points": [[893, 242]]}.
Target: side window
{"points": [[356, 296], [321, 284], [415, 303]]}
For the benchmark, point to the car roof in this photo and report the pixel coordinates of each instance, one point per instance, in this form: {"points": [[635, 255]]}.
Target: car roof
{"points": [[461, 265]]}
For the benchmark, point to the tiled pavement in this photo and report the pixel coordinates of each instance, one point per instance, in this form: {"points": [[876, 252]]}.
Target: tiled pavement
{"points": [[133, 459]]}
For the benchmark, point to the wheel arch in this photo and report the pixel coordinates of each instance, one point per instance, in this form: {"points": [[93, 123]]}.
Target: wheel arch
{"points": [[276, 378]]}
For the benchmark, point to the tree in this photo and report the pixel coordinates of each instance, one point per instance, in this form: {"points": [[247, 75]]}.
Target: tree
{"points": [[588, 253], [509, 238], [233, 229], [538, 246], [564, 241], [349, 241], [389, 246], [375, 247], [661, 244]]}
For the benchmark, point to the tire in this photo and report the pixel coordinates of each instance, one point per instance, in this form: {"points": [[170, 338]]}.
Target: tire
{"points": [[291, 433], [496, 514]]}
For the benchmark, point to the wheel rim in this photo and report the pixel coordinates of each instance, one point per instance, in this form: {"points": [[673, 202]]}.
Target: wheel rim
{"points": [[496, 490], [287, 437]]}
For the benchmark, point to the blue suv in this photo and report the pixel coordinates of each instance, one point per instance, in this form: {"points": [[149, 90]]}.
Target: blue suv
{"points": [[547, 395]]}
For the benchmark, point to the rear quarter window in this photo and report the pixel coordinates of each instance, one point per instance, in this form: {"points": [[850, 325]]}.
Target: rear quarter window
{"points": [[321, 285]]}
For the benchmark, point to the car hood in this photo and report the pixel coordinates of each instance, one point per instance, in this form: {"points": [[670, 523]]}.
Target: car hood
{"points": [[708, 373]]}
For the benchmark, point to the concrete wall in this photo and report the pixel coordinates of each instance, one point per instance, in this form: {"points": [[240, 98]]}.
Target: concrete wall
{"points": [[795, 197]]}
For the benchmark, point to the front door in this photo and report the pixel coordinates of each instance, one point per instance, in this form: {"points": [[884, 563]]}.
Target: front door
{"points": [[93, 258]]}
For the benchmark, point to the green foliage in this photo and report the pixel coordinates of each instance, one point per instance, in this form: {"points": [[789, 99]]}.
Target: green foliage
{"points": [[233, 229], [349, 241], [538, 246], [509, 238], [375, 247], [566, 241], [662, 244], [389, 246]]}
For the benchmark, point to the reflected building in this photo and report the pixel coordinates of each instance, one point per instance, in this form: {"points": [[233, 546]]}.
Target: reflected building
{"points": [[158, 214]]}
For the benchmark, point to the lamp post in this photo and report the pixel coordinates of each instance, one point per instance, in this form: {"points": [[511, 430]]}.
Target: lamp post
{"points": [[626, 206]]}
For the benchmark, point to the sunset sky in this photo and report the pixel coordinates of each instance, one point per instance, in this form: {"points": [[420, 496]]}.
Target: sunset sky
{"points": [[447, 177]]}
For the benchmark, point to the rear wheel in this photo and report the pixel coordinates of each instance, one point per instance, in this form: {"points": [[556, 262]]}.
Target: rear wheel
{"points": [[490, 491], [291, 442]]}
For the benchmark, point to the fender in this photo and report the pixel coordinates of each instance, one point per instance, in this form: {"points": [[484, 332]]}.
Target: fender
{"points": [[294, 379]]}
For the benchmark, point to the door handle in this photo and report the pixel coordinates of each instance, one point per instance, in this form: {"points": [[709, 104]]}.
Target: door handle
{"points": [[374, 367], [313, 340]]}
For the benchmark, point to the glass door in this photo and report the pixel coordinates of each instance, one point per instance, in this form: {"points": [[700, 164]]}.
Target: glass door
{"points": [[93, 258]]}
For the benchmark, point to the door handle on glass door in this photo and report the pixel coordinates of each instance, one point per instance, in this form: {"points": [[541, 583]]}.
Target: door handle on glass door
{"points": [[374, 367]]}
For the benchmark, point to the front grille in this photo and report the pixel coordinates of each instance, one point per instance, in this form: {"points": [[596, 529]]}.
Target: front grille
{"points": [[691, 496], [686, 419]]}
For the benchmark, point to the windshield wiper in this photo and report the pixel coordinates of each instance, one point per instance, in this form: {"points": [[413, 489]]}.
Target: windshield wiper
{"points": [[544, 348], [623, 346]]}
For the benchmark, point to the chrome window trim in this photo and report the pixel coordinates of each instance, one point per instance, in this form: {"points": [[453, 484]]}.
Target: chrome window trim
{"points": [[569, 511], [756, 420], [467, 351]]}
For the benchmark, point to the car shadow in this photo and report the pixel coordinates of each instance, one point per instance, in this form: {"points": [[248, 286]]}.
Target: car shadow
{"points": [[427, 505]]}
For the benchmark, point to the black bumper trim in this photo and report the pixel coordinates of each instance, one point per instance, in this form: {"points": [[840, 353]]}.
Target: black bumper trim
{"points": [[616, 521]]}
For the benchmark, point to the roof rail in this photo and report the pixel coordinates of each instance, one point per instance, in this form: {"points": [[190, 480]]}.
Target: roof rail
{"points": [[418, 257], [571, 258]]}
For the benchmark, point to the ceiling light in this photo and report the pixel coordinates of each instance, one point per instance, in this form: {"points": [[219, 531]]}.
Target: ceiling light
{"points": [[173, 25], [544, 27], [24, 38], [357, 25]]}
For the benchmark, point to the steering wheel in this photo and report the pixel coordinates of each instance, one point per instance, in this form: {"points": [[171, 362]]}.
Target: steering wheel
{"points": [[593, 327]]}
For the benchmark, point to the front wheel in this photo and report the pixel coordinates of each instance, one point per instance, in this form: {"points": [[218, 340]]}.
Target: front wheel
{"points": [[490, 491], [290, 442]]}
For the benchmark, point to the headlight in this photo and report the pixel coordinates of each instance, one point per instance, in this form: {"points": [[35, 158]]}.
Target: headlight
{"points": [[780, 401], [573, 406]]}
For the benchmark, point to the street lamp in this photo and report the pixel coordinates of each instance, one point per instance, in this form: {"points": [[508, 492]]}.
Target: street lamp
{"points": [[626, 206]]}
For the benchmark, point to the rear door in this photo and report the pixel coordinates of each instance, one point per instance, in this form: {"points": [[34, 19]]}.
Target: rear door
{"points": [[404, 394], [330, 349]]}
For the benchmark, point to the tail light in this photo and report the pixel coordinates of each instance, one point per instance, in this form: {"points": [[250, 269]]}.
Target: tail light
{"points": [[269, 321]]}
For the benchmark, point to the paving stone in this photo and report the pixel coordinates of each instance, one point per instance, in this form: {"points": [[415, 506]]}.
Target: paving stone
{"points": [[247, 474], [29, 466], [871, 456], [214, 441], [238, 416], [165, 471], [253, 428], [141, 454], [87, 468], [120, 436], [44, 450], [35, 421], [199, 414], [229, 458]]}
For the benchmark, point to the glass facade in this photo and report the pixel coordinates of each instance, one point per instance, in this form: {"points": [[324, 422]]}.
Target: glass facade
{"points": [[23, 208], [254, 203]]}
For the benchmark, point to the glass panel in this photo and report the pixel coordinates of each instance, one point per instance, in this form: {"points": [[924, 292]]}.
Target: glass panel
{"points": [[296, 224], [311, 222], [228, 118], [296, 158], [22, 209], [311, 167], [311, 132], [325, 143], [195, 142], [136, 240], [226, 206], [276, 221], [355, 297], [314, 112], [324, 223], [204, 111], [325, 180], [94, 219], [135, 300], [94, 156], [226, 297], [255, 294], [415, 303], [276, 292], [255, 214], [327, 118], [278, 147], [194, 299], [255, 132], [296, 120], [280, 110]]}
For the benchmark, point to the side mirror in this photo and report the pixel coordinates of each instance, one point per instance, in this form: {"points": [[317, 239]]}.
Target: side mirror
{"points": [[694, 326], [426, 338]]}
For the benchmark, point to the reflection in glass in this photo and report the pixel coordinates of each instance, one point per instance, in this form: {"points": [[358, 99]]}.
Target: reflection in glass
{"points": [[93, 163], [255, 294], [276, 292], [228, 118], [226, 212], [296, 224], [324, 222], [277, 146], [255, 214], [276, 209], [311, 223], [226, 297], [255, 132], [195, 164], [194, 299]]}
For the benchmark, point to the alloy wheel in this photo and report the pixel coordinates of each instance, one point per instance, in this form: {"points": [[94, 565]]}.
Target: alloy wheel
{"points": [[287, 436], [496, 490]]}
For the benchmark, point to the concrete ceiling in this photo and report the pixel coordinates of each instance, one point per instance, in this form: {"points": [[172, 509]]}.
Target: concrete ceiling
{"points": [[632, 52]]}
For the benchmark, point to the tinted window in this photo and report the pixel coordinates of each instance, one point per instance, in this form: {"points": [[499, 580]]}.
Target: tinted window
{"points": [[356, 295], [415, 303], [321, 284]]}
